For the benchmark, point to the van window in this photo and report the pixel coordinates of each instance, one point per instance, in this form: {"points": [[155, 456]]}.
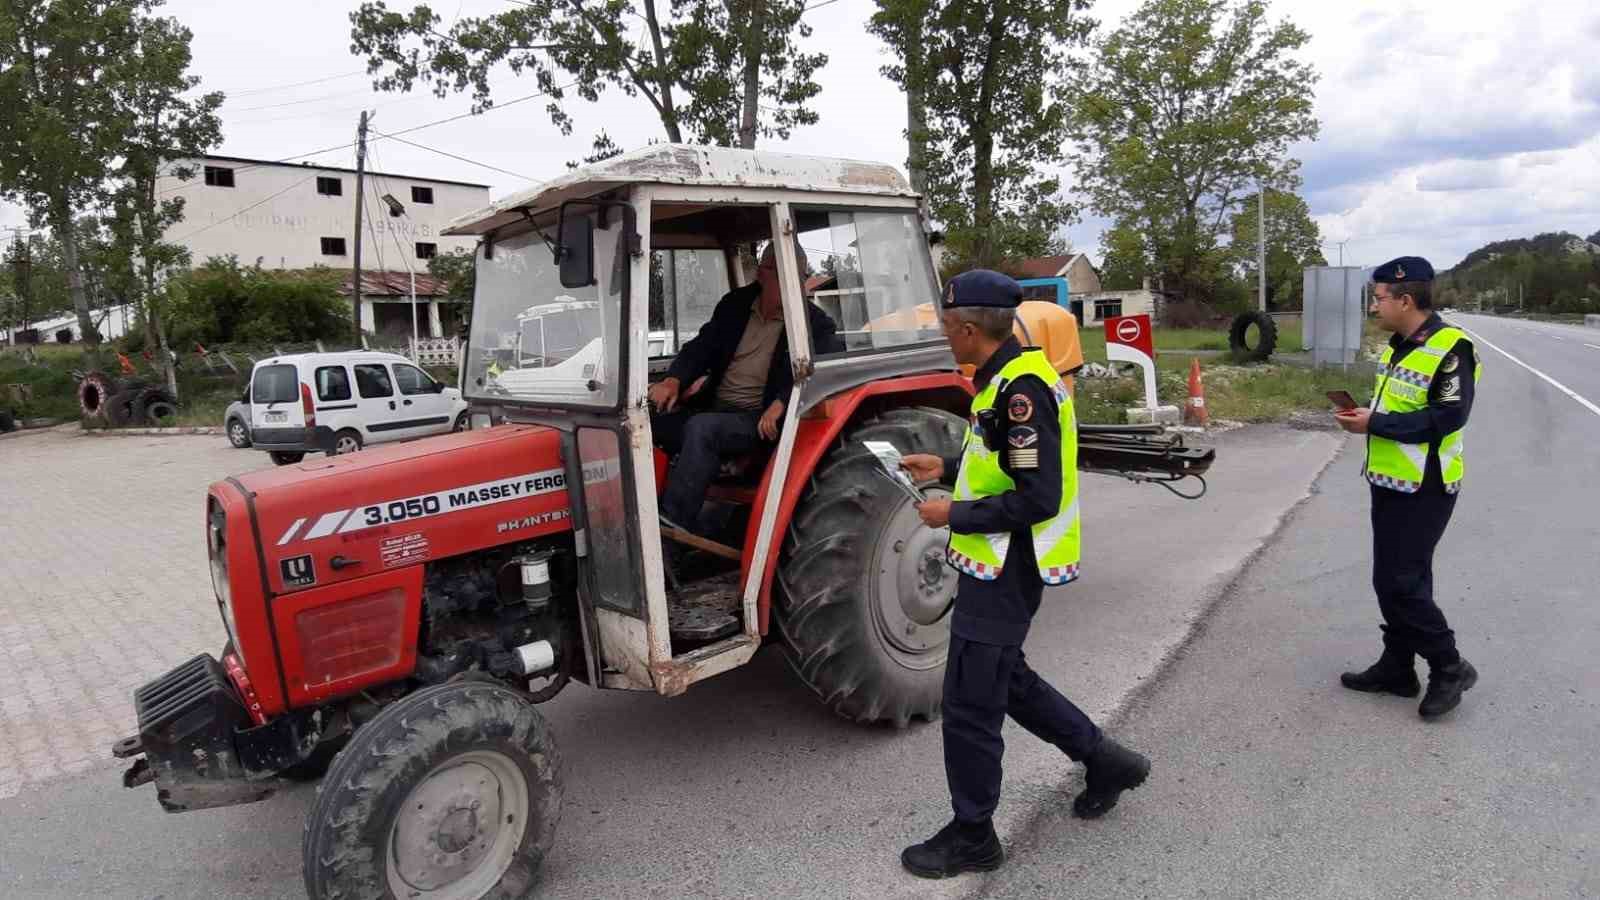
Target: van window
{"points": [[275, 384], [372, 380], [412, 380], [333, 383]]}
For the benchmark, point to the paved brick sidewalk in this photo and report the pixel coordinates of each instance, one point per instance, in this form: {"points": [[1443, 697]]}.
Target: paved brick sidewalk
{"points": [[103, 585]]}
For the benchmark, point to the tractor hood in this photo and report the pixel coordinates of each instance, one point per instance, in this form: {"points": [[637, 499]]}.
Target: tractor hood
{"points": [[332, 519]]}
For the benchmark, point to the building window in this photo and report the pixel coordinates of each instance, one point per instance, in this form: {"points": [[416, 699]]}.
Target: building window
{"points": [[219, 176], [1106, 309], [333, 246], [333, 187], [421, 194], [427, 251]]}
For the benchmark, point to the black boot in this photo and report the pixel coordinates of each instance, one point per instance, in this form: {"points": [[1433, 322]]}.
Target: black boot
{"points": [[1446, 684], [955, 849], [1394, 673], [1112, 769]]}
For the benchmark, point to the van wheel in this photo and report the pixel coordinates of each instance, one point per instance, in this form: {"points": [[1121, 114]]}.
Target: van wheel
{"points": [[347, 440], [451, 793], [461, 423], [285, 457], [238, 434]]}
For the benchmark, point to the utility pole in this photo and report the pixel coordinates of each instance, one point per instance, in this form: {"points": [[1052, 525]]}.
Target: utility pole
{"points": [[1261, 246], [361, 181]]}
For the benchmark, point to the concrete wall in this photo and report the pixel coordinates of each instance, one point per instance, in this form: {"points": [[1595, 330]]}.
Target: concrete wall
{"points": [[1138, 302], [1081, 276], [286, 217]]}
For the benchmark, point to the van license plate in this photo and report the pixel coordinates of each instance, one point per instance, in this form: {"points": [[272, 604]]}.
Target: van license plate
{"points": [[277, 417]]}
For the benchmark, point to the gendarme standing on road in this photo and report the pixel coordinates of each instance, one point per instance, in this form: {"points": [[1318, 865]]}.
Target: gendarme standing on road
{"points": [[1415, 463], [1014, 528]]}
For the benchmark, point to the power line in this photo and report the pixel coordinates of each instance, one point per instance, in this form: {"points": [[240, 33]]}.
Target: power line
{"points": [[280, 87], [395, 135], [455, 157]]}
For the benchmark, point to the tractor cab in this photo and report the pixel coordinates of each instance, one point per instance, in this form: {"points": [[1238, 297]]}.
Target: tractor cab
{"points": [[588, 286]]}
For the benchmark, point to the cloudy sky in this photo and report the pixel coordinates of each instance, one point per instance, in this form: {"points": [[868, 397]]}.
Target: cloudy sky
{"points": [[1445, 124]]}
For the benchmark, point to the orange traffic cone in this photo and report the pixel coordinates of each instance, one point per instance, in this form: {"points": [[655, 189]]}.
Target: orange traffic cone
{"points": [[1194, 412]]}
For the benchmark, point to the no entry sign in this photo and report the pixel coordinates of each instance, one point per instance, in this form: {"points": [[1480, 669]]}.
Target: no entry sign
{"points": [[1133, 331]]}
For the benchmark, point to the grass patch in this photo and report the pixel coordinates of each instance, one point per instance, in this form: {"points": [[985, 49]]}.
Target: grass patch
{"points": [[1259, 392], [1093, 340]]}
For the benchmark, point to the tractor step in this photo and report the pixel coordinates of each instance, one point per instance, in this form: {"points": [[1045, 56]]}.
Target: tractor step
{"points": [[706, 610]]}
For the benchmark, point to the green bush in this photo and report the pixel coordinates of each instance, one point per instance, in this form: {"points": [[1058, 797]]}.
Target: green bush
{"points": [[222, 302]]}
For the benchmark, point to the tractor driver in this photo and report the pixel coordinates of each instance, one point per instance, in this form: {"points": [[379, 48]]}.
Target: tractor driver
{"points": [[738, 379]]}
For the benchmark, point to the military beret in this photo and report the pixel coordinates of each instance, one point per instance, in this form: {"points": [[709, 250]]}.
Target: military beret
{"points": [[1406, 268], [982, 287]]}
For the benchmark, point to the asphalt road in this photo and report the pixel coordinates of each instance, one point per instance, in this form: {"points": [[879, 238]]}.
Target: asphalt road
{"points": [[1271, 781], [745, 786]]}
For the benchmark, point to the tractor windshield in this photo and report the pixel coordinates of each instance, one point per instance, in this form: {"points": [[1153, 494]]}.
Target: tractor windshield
{"points": [[534, 340]]}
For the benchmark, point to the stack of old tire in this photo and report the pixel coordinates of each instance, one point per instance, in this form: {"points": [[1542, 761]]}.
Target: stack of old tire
{"points": [[124, 403]]}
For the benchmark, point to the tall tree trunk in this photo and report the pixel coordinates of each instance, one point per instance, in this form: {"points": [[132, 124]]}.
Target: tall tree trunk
{"points": [[983, 144], [663, 81], [753, 42], [917, 110], [66, 231]]}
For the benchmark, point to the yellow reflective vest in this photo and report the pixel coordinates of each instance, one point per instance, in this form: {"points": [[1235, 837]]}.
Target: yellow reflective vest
{"points": [[1402, 387]]}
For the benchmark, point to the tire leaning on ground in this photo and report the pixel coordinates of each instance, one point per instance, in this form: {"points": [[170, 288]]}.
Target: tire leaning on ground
{"points": [[864, 593], [155, 406], [238, 433], [452, 793], [122, 409], [1239, 336], [93, 392]]}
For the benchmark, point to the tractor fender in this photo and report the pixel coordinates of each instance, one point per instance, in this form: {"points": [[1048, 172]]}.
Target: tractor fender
{"points": [[816, 433]]}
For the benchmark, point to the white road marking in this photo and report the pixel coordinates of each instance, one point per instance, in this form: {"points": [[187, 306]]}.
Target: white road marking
{"points": [[1551, 381], [1593, 346]]}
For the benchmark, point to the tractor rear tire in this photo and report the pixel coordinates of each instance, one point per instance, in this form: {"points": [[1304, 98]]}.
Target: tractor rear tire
{"points": [[864, 594], [1239, 336], [453, 792]]}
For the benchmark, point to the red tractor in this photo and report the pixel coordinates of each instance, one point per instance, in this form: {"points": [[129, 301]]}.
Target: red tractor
{"points": [[396, 615]]}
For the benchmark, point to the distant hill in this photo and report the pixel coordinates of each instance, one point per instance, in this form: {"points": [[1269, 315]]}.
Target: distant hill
{"points": [[1551, 244], [1556, 272]]}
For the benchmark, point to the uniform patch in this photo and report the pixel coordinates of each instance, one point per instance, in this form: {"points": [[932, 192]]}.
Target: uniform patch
{"points": [[1451, 391], [1022, 436], [1451, 363], [1023, 459], [1019, 408]]}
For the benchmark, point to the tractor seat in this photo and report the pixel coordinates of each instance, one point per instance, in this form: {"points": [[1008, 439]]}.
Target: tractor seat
{"points": [[739, 477]]}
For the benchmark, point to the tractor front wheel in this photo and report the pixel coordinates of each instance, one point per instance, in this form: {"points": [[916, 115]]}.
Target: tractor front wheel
{"points": [[452, 793], [864, 592]]}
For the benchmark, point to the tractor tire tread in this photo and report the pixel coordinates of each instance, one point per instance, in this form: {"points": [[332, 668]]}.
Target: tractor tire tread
{"points": [[349, 822]]}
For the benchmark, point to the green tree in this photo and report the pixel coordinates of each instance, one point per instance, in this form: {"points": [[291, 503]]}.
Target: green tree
{"points": [[1293, 243], [991, 79], [458, 270], [222, 302], [713, 71], [62, 66], [1185, 108], [166, 130], [1126, 263]]}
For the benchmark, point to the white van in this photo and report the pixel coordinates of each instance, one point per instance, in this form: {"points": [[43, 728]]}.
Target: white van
{"points": [[341, 402]]}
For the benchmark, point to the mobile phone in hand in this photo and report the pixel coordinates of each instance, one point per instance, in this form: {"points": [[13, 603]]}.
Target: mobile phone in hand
{"points": [[1342, 399]]}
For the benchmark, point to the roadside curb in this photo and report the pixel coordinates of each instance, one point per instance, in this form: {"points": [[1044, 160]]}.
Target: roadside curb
{"points": [[24, 432], [155, 432], [1036, 806]]}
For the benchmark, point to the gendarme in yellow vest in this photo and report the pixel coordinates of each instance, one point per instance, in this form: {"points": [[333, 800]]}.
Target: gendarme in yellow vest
{"points": [[1402, 388], [1055, 540]]}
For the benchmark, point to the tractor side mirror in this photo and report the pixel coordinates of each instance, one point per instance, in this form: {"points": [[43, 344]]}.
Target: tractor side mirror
{"points": [[575, 249]]}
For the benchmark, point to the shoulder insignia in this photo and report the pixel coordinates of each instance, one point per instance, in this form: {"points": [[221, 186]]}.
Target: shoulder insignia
{"points": [[1021, 437], [1023, 459], [1451, 362], [1451, 391], [1019, 408]]}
